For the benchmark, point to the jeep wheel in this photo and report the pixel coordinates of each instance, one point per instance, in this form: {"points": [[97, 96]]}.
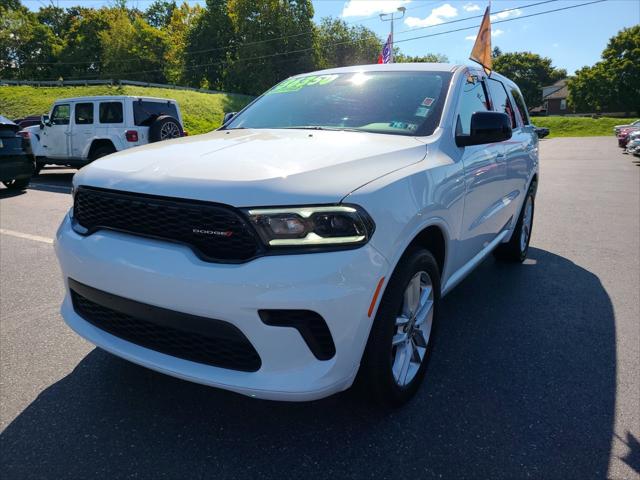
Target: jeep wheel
{"points": [[165, 128], [102, 151], [401, 338]]}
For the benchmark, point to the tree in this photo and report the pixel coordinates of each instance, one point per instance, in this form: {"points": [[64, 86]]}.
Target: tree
{"points": [[132, 50], [209, 44], [81, 53], [160, 12], [530, 71], [612, 84], [339, 44], [276, 39], [428, 58], [177, 31], [28, 48]]}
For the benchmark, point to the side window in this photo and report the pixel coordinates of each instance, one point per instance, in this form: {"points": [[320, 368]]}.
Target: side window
{"points": [[111, 112], [61, 114], [473, 100], [522, 108], [500, 100], [84, 113], [145, 112]]}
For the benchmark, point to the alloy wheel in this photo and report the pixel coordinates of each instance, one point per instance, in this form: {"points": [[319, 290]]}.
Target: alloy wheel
{"points": [[413, 329]]}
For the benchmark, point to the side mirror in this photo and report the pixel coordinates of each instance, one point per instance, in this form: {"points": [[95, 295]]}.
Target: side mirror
{"points": [[44, 120], [486, 127], [227, 117]]}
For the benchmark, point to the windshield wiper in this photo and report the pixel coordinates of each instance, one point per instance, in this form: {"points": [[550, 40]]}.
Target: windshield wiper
{"points": [[318, 127]]}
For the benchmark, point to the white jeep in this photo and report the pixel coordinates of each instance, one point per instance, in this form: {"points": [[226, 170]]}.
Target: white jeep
{"points": [[80, 130]]}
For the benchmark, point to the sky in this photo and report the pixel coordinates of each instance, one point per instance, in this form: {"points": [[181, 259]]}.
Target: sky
{"points": [[572, 38]]}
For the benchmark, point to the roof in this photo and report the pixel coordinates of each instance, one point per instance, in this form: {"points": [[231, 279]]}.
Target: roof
{"points": [[391, 67], [560, 90], [111, 97]]}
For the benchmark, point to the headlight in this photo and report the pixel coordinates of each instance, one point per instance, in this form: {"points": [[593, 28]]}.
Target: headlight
{"points": [[325, 226]]}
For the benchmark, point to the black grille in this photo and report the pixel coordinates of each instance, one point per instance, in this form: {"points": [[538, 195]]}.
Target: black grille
{"points": [[199, 339], [214, 232]]}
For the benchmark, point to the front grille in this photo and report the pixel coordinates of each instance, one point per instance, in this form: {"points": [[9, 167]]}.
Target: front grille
{"points": [[198, 339], [215, 233]]}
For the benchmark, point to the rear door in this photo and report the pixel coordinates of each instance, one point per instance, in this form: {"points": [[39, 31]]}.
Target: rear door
{"points": [[55, 137], [485, 171], [82, 128], [521, 150]]}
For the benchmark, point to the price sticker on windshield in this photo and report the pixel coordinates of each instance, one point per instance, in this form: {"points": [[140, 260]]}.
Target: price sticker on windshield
{"points": [[298, 83]]}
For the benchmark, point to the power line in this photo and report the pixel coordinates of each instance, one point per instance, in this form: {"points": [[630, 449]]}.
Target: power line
{"points": [[477, 16], [258, 42], [350, 41]]}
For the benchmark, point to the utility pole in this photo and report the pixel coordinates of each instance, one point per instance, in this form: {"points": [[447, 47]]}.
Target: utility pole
{"points": [[386, 17]]}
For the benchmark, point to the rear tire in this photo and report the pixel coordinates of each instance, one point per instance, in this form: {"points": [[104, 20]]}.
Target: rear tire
{"points": [[517, 248], [17, 184], [398, 335], [102, 151]]}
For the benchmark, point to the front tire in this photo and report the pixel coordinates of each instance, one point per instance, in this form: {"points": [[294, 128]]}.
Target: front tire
{"points": [[517, 248], [401, 338]]}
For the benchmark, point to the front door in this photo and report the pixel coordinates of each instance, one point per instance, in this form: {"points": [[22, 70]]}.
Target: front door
{"points": [[55, 136], [485, 172]]}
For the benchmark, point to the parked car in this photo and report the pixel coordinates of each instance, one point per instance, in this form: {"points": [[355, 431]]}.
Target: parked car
{"points": [[633, 142], [617, 128], [310, 240], [28, 121], [623, 135], [16, 165], [541, 131], [80, 130]]}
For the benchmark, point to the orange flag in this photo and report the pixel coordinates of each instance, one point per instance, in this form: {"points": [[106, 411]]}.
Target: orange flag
{"points": [[481, 52]]}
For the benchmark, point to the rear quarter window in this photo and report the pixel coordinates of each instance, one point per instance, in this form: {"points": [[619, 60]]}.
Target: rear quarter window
{"points": [[145, 112]]}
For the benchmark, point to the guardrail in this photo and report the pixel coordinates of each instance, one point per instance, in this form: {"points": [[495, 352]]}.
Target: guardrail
{"points": [[86, 83]]}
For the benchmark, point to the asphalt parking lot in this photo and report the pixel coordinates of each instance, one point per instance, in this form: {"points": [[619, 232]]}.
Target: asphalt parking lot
{"points": [[535, 374]]}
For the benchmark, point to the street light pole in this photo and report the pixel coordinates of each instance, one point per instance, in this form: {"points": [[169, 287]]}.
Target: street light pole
{"points": [[386, 17]]}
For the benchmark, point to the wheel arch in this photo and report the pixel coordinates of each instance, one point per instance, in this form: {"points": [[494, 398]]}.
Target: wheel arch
{"points": [[100, 142]]}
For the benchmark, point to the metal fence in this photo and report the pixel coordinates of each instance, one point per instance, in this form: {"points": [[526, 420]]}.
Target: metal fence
{"points": [[77, 83]]}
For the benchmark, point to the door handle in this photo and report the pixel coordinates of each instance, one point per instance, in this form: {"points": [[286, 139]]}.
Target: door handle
{"points": [[501, 157]]}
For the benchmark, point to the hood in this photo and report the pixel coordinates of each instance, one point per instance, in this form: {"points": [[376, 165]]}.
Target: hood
{"points": [[256, 167]]}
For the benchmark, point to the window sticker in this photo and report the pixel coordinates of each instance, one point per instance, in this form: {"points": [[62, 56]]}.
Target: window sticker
{"points": [[295, 84], [404, 125], [427, 102], [422, 111]]}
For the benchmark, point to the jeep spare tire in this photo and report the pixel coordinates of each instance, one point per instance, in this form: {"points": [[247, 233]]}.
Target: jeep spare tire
{"points": [[163, 128]]}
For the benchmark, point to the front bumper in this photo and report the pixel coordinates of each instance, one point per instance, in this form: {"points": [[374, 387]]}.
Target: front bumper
{"points": [[337, 285]]}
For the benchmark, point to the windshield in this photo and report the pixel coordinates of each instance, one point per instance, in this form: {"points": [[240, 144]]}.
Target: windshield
{"points": [[401, 103]]}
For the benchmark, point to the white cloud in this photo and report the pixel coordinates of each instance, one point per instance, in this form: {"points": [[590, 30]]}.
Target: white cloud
{"points": [[471, 7], [436, 17], [516, 12], [364, 8], [494, 33]]}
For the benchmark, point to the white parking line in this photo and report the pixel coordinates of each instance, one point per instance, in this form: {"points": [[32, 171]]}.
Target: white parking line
{"points": [[28, 236]]}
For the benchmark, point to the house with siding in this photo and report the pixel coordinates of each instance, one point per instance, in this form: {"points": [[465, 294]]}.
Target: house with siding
{"points": [[554, 98]]}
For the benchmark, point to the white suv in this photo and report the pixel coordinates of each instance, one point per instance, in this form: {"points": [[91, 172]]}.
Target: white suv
{"points": [[80, 130], [310, 240]]}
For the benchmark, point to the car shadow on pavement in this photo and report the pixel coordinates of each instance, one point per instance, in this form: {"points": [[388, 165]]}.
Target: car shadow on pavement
{"points": [[521, 384], [53, 179]]}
